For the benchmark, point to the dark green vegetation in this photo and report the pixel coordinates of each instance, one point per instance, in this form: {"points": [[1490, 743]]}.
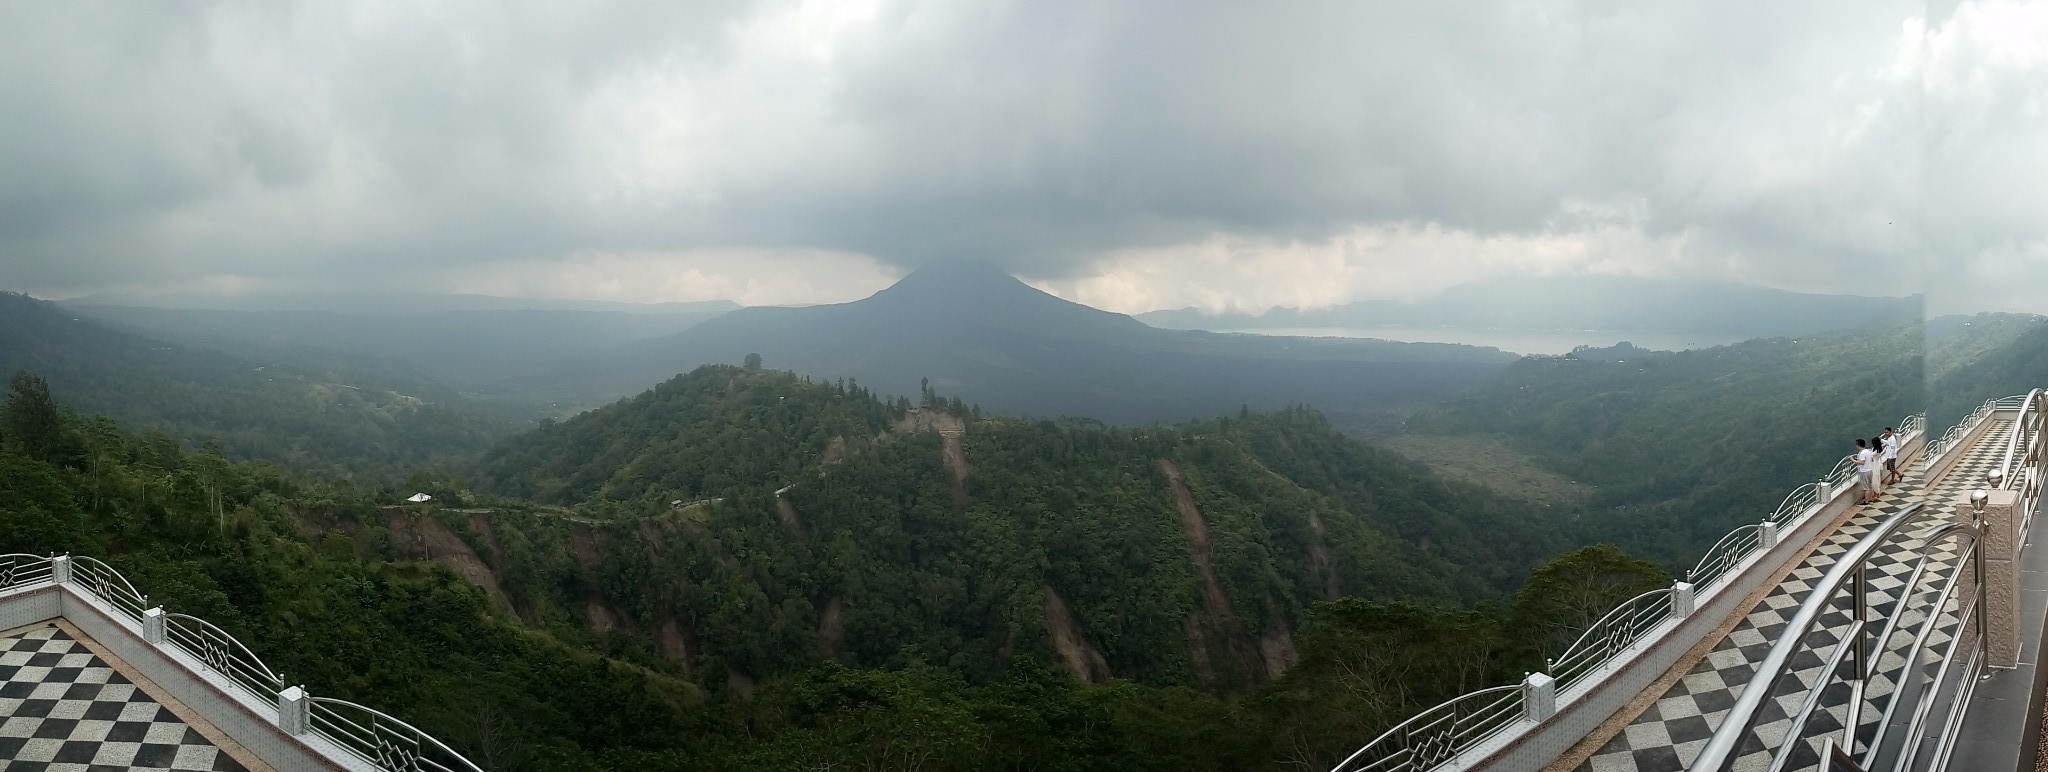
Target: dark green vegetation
{"points": [[895, 624], [334, 420], [976, 332], [1996, 355], [1681, 447], [1588, 303], [1170, 555]]}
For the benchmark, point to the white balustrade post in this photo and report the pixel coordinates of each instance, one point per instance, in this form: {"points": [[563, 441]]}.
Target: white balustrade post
{"points": [[1539, 697], [1683, 600], [1767, 534], [292, 713], [153, 626], [60, 569]]}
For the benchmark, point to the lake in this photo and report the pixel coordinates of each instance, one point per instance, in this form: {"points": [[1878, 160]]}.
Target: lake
{"points": [[1516, 341]]}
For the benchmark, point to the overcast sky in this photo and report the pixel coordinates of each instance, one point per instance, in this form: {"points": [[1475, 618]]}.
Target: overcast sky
{"points": [[1131, 155]]}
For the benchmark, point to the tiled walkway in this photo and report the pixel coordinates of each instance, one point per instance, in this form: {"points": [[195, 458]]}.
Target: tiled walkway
{"points": [[64, 708], [1670, 732]]}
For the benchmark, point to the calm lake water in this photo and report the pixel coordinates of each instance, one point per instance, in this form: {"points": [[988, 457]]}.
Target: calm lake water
{"points": [[1517, 341]]}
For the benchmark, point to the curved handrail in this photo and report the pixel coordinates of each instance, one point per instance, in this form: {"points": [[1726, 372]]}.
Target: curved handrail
{"points": [[1963, 617], [14, 571], [2029, 404], [1954, 433], [100, 579], [1795, 502], [1619, 629], [211, 646], [1435, 735], [387, 742], [1727, 553], [1718, 755]]}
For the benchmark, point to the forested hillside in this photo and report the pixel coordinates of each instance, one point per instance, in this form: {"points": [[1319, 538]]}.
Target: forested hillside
{"points": [[344, 422], [1682, 446], [852, 629], [1996, 355], [871, 533]]}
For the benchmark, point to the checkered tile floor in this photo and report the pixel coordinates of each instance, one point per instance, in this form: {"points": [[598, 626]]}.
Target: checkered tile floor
{"points": [[64, 708], [1668, 734]]}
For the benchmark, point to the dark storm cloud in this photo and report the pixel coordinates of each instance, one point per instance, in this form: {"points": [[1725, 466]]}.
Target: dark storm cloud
{"points": [[369, 143]]}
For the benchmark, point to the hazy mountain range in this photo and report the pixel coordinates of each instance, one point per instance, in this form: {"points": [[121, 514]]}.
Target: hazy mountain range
{"points": [[1616, 303], [978, 333]]}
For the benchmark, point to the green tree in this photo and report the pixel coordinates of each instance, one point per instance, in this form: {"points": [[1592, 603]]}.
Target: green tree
{"points": [[752, 362], [1571, 592], [31, 420]]}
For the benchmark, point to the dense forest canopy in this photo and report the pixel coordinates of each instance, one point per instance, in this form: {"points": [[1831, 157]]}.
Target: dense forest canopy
{"points": [[1680, 447], [686, 640], [864, 529]]}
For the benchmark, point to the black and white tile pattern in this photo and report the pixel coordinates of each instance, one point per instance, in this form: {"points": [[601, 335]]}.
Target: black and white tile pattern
{"points": [[63, 708], [1668, 734]]}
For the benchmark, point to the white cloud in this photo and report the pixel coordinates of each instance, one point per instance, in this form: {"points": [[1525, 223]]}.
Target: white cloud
{"points": [[1135, 155]]}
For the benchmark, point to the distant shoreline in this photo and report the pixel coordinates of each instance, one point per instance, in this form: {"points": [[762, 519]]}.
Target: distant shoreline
{"points": [[1525, 342]]}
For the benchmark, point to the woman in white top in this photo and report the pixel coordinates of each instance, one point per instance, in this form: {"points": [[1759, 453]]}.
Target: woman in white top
{"points": [[1866, 472]]}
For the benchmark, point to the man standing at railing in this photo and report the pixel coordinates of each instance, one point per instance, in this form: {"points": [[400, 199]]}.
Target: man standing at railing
{"points": [[1890, 456], [1866, 472]]}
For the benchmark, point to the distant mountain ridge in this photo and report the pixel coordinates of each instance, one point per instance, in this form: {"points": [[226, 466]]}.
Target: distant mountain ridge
{"points": [[1586, 303], [327, 419], [982, 334], [400, 302], [473, 349]]}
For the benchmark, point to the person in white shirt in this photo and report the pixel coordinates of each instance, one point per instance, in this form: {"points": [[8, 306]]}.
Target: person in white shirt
{"points": [[1866, 472], [1891, 457]]}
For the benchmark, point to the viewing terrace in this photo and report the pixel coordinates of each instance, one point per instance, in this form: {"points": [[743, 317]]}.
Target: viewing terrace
{"points": [[1899, 635], [93, 677]]}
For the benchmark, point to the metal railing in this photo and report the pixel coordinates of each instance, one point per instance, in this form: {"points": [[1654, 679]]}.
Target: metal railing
{"points": [[373, 736], [1858, 655], [108, 585], [2020, 468], [1969, 423], [382, 740], [1612, 634], [1436, 735], [1951, 581], [1730, 551], [221, 653], [1441, 733], [19, 569]]}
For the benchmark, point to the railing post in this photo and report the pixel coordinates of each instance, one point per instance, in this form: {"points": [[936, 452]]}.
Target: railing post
{"points": [[1767, 534], [60, 569], [153, 626], [1683, 601], [1539, 697], [1997, 553], [292, 711]]}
